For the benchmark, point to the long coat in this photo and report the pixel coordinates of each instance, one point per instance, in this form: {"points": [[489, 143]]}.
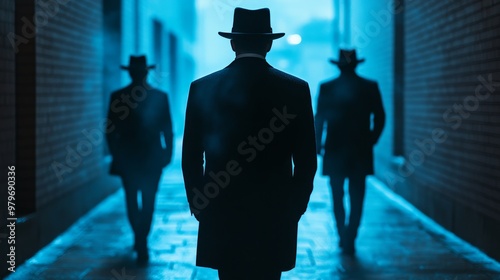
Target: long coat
{"points": [[248, 121], [138, 117], [346, 105]]}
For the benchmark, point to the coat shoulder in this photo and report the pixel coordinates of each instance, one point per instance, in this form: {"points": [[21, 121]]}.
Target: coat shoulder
{"points": [[209, 78], [119, 92], [159, 96], [290, 79], [325, 86], [201, 87], [328, 82], [154, 93], [158, 92], [368, 81]]}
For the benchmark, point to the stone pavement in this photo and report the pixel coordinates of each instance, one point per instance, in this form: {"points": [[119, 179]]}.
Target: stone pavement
{"points": [[394, 243]]}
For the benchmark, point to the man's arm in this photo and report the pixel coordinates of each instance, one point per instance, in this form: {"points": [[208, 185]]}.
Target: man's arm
{"points": [[304, 155], [319, 122], [167, 130], [112, 136], [378, 115], [192, 151]]}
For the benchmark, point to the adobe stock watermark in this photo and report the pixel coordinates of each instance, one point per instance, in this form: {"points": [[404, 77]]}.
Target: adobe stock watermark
{"points": [[222, 7], [46, 9], [121, 276], [454, 117], [381, 19], [248, 148], [362, 37], [91, 138]]}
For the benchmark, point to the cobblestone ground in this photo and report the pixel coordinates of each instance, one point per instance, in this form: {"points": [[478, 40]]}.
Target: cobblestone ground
{"points": [[393, 243]]}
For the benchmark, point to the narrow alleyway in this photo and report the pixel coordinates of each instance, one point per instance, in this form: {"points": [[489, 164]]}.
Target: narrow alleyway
{"points": [[394, 243]]}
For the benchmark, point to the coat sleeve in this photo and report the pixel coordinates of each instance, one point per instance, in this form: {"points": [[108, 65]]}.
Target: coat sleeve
{"points": [[192, 151], [304, 155], [113, 135], [319, 121], [167, 129], [378, 115]]}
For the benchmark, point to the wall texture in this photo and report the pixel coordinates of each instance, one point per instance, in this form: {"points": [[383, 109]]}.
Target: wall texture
{"points": [[69, 99], [62, 106], [451, 139], [452, 52]]}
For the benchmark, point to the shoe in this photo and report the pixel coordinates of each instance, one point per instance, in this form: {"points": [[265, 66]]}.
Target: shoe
{"points": [[141, 247], [142, 256], [349, 249], [341, 233], [341, 243], [137, 243]]}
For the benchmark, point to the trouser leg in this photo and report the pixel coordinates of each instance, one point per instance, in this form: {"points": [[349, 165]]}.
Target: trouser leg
{"points": [[148, 191], [337, 185], [148, 206], [132, 206], [357, 189]]}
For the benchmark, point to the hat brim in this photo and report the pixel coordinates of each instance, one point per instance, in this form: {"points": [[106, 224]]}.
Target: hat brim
{"points": [[123, 67], [237, 35], [355, 62]]}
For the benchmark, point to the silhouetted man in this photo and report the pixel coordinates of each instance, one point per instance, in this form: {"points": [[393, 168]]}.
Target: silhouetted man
{"points": [[139, 117], [248, 122], [347, 104]]}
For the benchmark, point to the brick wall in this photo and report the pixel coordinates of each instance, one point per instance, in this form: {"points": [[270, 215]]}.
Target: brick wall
{"points": [[452, 47], [69, 98], [451, 143], [59, 114], [56, 87]]}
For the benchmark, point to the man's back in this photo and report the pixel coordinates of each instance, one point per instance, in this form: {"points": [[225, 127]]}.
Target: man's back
{"points": [[138, 116], [250, 112], [346, 103], [351, 107], [249, 120]]}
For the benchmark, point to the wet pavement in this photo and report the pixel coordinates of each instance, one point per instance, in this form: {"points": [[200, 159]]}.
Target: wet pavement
{"points": [[394, 242]]}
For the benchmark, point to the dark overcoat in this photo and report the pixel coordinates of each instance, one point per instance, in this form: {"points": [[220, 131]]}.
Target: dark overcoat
{"points": [[347, 105], [138, 118], [247, 123]]}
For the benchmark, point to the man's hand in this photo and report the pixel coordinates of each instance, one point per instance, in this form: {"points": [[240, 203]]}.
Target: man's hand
{"points": [[168, 161], [167, 157], [198, 215], [373, 139]]}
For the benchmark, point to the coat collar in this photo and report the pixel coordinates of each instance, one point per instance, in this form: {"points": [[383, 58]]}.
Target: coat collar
{"points": [[243, 55], [249, 61]]}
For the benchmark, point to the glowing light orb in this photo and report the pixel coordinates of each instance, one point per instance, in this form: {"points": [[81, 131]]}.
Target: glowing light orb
{"points": [[294, 39]]}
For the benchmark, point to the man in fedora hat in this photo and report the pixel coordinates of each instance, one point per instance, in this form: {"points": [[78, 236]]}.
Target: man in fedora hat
{"points": [[247, 122], [138, 119], [346, 105]]}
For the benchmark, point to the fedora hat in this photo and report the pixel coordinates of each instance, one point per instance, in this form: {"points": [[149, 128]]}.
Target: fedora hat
{"points": [[346, 58], [252, 23], [137, 62]]}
